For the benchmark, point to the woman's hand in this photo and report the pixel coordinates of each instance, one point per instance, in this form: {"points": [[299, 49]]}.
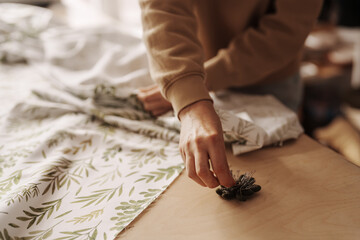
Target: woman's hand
{"points": [[153, 101], [201, 140]]}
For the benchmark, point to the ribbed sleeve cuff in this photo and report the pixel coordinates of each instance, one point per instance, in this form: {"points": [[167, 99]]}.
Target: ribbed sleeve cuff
{"points": [[186, 91]]}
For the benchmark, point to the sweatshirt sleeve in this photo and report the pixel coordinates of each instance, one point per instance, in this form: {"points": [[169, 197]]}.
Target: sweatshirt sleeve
{"points": [[174, 52], [260, 51]]}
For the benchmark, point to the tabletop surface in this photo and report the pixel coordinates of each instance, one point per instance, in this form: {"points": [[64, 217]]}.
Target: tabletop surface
{"points": [[308, 192]]}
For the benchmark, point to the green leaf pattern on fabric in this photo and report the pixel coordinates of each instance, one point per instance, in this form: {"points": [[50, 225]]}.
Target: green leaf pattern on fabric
{"points": [[67, 171]]}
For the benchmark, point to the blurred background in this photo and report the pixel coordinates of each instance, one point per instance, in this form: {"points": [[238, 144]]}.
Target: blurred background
{"points": [[330, 69]]}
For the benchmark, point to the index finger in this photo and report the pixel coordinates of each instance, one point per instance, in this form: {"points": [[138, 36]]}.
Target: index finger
{"points": [[203, 169], [220, 165]]}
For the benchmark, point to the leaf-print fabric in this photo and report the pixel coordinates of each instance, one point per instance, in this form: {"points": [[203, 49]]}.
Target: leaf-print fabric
{"points": [[79, 158], [80, 173]]}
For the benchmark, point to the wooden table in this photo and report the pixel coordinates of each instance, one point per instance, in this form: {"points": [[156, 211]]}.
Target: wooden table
{"points": [[308, 192]]}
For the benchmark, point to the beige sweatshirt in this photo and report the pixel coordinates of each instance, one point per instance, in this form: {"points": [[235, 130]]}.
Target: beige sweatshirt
{"points": [[196, 46]]}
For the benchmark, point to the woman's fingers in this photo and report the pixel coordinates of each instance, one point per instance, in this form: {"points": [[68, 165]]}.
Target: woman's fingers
{"points": [[203, 169], [159, 112], [153, 101], [156, 105], [191, 171], [201, 137], [157, 108], [220, 165]]}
